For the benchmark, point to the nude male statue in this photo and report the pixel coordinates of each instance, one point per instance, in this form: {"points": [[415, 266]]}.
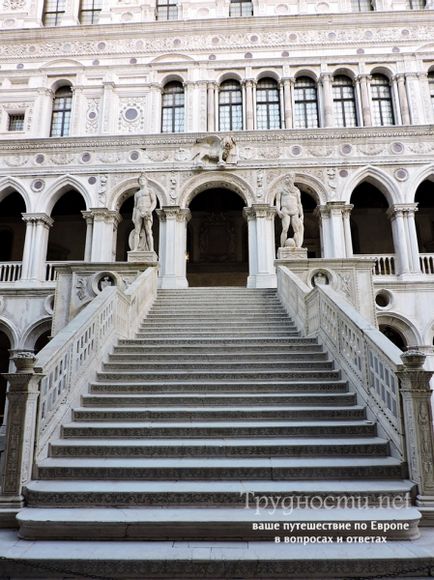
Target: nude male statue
{"points": [[290, 211], [145, 201]]}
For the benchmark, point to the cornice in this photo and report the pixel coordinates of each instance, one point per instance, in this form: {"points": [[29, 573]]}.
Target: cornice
{"points": [[377, 28], [281, 136]]}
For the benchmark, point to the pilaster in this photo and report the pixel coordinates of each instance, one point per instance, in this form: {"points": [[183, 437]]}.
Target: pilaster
{"points": [[173, 246], [260, 221]]}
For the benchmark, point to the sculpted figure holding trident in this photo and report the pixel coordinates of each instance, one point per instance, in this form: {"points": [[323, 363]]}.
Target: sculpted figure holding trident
{"points": [[290, 211], [145, 201]]}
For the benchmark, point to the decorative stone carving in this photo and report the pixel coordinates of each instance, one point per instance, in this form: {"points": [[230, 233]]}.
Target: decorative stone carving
{"points": [[214, 149]]}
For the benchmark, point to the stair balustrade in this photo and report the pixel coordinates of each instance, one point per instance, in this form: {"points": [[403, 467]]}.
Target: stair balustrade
{"points": [[389, 383], [62, 371]]}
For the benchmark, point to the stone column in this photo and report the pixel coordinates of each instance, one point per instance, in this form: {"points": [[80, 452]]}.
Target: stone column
{"points": [[346, 215], [424, 110], [403, 101], [211, 104], [17, 460], [418, 425], [89, 235], [260, 221], [288, 84], [173, 246], [101, 225], [334, 231], [327, 95], [35, 246], [402, 217], [396, 216], [249, 84], [363, 81], [41, 122]]}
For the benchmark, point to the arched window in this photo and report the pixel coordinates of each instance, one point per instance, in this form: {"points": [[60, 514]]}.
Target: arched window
{"points": [[61, 116], [90, 11], [167, 10], [230, 106], [53, 12], [361, 5], [382, 106], [241, 8], [305, 103], [431, 87], [172, 114], [267, 104], [344, 102]]}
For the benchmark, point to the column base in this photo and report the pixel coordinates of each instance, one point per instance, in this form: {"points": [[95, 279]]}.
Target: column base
{"points": [[140, 256], [172, 282], [292, 253], [262, 281]]}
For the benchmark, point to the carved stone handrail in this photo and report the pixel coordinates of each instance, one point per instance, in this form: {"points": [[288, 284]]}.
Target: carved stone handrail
{"points": [[393, 386], [73, 356], [63, 371], [363, 353]]}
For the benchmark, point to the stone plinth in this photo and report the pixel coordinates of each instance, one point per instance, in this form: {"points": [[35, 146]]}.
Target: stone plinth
{"points": [[292, 253], [142, 256]]}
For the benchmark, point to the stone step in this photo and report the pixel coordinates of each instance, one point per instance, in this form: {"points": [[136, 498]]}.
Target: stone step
{"points": [[386, 493], [220, 333], [219, 468], [225, 357], [223, 524], [222, 414], [217, 366], [227, 387], [218, 375], [278, 447], [199, 560], [207, 315], [214, 342], [217, 400], [233, 325], [221, 350], [255, 429]]}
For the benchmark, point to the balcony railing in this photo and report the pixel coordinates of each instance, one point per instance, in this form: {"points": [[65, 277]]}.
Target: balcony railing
{"points": [[384, 264], [10, 271], [426, 263]]}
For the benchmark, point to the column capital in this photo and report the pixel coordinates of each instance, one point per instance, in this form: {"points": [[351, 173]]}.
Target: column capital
{"points": [[325, 77], [101, 214], [38, 218], [287, 80], [363, 77], [45, 92], [399, 77], [259, 210], [212, 84], [174, 212], [398, 209], [249, 82], [333, 207]]}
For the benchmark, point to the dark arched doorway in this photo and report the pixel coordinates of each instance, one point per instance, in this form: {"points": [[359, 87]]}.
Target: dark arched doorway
{"points": [[425, 217], [12, 228], [370, 227], [67, 237], [394, 336], [217, 247]]}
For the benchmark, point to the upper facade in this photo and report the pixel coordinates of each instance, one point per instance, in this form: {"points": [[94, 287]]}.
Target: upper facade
{"points": [[172, 66]]}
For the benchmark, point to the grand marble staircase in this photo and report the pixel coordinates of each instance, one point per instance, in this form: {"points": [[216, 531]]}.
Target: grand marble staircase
{"points": [[217, 407]]}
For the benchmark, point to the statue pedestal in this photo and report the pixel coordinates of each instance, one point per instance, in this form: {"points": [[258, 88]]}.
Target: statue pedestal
{"points": [[142, 256], [292, 253]]}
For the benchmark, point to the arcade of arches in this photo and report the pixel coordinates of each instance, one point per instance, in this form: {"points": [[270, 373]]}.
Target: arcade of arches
{"points": [[222, 241]]}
